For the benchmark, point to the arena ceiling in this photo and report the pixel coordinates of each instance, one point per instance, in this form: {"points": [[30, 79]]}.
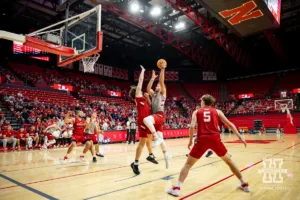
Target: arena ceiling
{"points": [[126, 44]]}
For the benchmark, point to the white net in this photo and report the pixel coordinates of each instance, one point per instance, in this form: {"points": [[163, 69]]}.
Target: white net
{"points": [[89, 62], [283, 107]]}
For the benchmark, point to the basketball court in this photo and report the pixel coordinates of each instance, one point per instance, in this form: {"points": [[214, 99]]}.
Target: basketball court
{"points": [[41, 174], [270, 163]]}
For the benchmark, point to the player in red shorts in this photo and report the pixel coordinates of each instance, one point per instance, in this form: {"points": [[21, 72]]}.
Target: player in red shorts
{"points": [[79, 125], [92, 131], [21, 137], [208, 137], [143, 110], [155, 121]]}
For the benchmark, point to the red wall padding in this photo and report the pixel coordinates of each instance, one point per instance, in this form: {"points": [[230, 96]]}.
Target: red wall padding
{"points": [[269, 121]]}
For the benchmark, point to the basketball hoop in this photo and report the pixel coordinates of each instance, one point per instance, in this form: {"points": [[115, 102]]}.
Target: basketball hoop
{"points": [[89, 62], [283, 107], [284, 104]]}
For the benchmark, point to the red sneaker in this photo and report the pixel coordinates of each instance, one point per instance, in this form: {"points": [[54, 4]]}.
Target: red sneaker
{"points": [[65, 159], [174, 191], [245, 187]]}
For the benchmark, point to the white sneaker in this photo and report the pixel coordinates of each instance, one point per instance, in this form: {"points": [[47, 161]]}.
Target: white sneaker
{"points": [[44, 147], [65, 160], [168, 161], [174, 191], [157, 142], [245, 187]]}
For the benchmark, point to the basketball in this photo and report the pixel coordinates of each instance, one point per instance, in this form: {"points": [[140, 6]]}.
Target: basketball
{"points": [[161, 63]]}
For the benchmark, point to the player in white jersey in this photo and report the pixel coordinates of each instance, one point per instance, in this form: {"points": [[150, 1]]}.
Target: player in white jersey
{"points": [[155, 121]]}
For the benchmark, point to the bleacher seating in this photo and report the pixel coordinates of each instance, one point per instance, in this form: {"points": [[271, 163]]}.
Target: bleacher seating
{"points": [[259, 86], [9, 77], [197, 90], [48, 97]]}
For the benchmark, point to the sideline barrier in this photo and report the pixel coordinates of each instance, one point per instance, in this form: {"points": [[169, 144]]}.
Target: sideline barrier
{"points": [[120, 136]]}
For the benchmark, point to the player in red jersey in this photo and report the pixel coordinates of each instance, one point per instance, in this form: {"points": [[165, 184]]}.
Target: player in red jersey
{"points": [[79, 125], [33, 136], [278, 131], [52, 133], [8, 137], [143, 110], [208, 137], [155, 121], [21, 137]]}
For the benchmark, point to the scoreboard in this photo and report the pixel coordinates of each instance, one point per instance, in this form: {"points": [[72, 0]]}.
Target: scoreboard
{"points": [[246, 17], [19, 48]]}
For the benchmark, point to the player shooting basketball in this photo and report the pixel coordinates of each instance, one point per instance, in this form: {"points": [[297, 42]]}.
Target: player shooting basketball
{"points": [[143, 110], [208, 137], [155, 121]]}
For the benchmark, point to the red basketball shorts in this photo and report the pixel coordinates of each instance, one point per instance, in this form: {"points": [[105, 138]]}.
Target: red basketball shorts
{"points": [[206, 142], [143, 130], [92, 137], [159, 120], [78, 138]]}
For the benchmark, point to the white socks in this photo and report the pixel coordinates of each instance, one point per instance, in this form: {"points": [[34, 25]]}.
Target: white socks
{"points": [[242, 181], [179, 183]]}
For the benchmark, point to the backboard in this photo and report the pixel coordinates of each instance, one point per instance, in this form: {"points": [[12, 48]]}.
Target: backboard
{"points": [[84, 35], [283, 104]]}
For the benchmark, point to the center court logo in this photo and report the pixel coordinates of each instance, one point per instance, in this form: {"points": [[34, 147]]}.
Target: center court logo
{"points": [[272, 171]]}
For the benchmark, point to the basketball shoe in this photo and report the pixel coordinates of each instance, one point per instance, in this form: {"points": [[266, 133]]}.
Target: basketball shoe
{"points": [[81, 157], [152, 159], [174, 191], [245, 187], [65, 160], [100, 155], [209, 153], [135, 168], [94, 159]]}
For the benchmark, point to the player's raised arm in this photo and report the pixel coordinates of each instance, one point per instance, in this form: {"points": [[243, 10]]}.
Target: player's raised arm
{"points": [[147, 96], [224, 119], [67, 118], [192, 128], [138, 92], [149, 86], [162, 81]]}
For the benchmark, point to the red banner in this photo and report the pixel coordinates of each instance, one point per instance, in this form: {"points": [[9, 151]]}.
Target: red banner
{"points": [[245, 96], [120, 136], [69, 88], [296, 90], [113, 93], [169, 75], [1, 79]]}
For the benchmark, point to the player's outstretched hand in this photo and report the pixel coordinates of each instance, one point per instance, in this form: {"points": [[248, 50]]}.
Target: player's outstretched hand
{"points": [[190, 144], [154, 76], [143, 69]]}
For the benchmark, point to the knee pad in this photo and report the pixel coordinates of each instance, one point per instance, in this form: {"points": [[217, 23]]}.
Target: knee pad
{"points": [[160, 135]]}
